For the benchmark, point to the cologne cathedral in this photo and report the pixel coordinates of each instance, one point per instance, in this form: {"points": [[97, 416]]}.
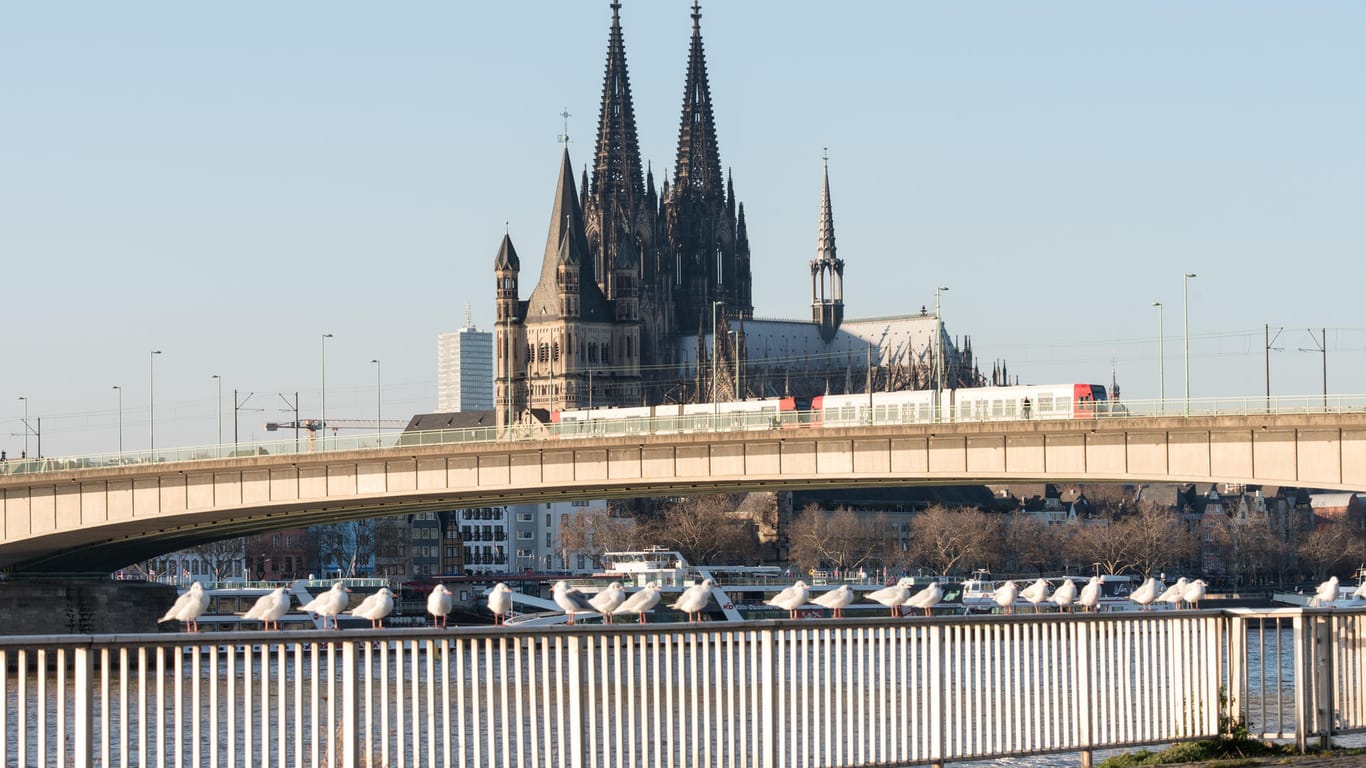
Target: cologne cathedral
{"points": [[644, 291]]}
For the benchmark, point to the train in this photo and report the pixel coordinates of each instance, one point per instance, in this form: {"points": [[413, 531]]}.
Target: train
{"points": [[975, 404]]}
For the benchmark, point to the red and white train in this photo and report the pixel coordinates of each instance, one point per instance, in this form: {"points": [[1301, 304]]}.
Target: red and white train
{"points": [[1017, 403]]}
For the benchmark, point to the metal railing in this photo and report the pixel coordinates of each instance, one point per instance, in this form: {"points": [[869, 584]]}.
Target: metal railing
{"points": [[723, 422], [732, 695]]}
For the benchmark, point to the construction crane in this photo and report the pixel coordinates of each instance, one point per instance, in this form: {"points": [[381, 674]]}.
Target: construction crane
{"points": [[313, 426]]}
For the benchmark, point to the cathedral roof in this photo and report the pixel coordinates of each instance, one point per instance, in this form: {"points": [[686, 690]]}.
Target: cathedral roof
{"points": [[566, 233], [507, 256], [616, 169]]}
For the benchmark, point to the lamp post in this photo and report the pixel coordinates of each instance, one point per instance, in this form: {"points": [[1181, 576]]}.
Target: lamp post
{"points": [[1161, 357], [219, 379], [322, 418], [120, 391], [1186, 332], [379, 437], [938, 356], [25, 399], [715, 349], [152, 403]]}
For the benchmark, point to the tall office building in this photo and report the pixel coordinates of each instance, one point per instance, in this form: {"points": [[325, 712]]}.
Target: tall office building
{"points": [[465, 370]]}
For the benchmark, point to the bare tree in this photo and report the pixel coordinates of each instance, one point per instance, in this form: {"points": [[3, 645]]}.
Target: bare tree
{"points": [[947, 540], [1103, 543], [705, 530], [839, 539], [592, 532], [344, 547], [1156, 539], [222, 557], [1329, 548], [1029, 544]]}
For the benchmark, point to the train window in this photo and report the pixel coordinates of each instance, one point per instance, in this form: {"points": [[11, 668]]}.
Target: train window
{"points": [[1045, 403]]}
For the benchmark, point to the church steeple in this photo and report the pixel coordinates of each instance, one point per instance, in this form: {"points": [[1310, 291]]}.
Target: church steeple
{"points": [[699, 161], [616, 167], [827, 271]]}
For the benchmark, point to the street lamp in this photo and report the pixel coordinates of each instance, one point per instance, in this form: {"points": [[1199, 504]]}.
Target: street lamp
{"points": [[322, 419], [220, 413], [1161, 356], [120, 391], [938, 356], [152, 403], [1186, 332], [25, 399], [379, 438], [715, 349]]}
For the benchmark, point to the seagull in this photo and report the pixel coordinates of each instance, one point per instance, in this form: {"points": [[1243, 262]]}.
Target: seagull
{"points": [[375, 607], [189, 607], [270, 607], [835, 600], [1360, 591], [892, 597], [1173, 593], [927, 598], [1090, 594], [608, 600], [439, 604], [1195, 592], [1035, 593], [500, 602], [329, 603], [791, 599], [1005, 595], [1146, 594], [694, 599], [571, 600], [641, 602], [1065, 595], [1326, 593]]}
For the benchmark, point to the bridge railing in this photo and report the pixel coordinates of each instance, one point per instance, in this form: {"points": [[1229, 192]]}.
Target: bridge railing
{"points": [[740, 695], [692, 423]]}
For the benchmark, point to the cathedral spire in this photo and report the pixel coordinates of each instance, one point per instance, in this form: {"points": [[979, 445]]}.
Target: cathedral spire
{"points": [[827, 270], [699, 161], [825, 241], [616, 167]]}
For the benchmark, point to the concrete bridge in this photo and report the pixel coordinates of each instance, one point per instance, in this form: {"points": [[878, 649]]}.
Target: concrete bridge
{"points": [[102, 518]]}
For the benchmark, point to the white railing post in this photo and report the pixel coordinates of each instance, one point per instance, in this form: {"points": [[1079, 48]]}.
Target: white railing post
{"points": [[1081, 685], [577, 721], [83, 728], [1236, 648], [348, 741], [1323, 679], [768, 687]]}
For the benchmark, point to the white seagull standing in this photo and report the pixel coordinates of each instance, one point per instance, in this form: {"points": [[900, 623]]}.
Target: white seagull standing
{"points": [[1326, 593], [608, 600], [1005, 595], [375, 607], [1035, 593], [892, 597], [1360, 592], [694, 599], [189, 607], [500, 602], [439, 604], [791, 599], [1173, 593], [571, 600], [1146, 594], [1195, 592], [1090, 594], [835, 600], [329, 603], [641, 602], [927, 598], [1064, 595], [270, 607]]}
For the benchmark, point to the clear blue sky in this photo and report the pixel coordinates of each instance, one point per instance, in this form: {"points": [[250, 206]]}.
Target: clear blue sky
{"points": [[227, 181]]}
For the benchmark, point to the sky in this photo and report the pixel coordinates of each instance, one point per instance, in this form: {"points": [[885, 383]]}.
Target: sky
{"points": [[227, 182]]}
